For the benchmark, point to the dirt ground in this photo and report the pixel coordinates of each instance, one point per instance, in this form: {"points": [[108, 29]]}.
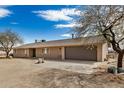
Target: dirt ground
{"points": [[23, 73], [55, 78]]}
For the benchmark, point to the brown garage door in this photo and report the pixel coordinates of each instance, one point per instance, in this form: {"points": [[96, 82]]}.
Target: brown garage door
{"points": [[81, 53]]}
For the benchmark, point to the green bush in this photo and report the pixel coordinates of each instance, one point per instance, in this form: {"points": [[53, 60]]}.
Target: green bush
{"points": [[112, 70], [120, 70]]}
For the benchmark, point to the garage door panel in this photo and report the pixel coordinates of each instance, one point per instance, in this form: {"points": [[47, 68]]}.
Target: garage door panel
{"points": [[80, 53]]}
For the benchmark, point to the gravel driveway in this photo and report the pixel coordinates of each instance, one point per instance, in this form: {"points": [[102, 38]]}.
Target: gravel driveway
{"points": [[13, 71], [74, 66]]}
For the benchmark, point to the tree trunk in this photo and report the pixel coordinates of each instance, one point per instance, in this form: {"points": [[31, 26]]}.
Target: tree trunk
{"points": [[120, 62], [7, 54]]}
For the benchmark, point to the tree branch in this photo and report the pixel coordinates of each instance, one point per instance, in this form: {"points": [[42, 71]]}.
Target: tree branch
{"points": [[3, 45], [11, 46], [120, 40]]}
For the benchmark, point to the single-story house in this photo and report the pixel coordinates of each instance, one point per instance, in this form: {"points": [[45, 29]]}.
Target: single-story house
{"points": [[93, 48]]}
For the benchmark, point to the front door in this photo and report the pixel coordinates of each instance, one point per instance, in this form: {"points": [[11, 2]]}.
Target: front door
{"points": [[34, 52]]}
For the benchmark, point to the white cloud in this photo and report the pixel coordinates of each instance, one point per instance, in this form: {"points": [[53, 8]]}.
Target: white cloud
{"points": [[69, 25], [66, 35], [65, 25], [4, 12], [57, 15], [14, 23]]}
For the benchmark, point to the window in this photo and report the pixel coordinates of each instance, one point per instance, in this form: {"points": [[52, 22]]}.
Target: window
{"points": [[45, 50]]}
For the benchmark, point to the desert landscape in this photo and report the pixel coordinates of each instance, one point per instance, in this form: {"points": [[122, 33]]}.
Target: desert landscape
{"points": [[24, 73]]}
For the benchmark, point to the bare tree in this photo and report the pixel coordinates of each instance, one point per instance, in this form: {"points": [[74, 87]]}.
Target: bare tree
{"points": [[8, 39], [107, 21]]}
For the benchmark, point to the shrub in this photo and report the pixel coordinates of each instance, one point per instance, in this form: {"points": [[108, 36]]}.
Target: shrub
{"points": [[112, 70], [120, 70]]}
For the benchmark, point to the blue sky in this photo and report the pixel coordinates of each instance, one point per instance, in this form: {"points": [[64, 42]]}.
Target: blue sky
{"points": [[39, 22]]}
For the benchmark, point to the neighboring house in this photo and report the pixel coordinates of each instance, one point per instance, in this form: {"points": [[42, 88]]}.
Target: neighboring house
{"points": [[92, 48], [2, 53]]}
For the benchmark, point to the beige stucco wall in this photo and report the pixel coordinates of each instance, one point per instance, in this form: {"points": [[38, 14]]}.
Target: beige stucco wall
{"points": [[39, 52], [63, 53], [30, 53], [105, 50], [59, 52], [99, 52], [52, 53], [102, 52], [21, 52]]}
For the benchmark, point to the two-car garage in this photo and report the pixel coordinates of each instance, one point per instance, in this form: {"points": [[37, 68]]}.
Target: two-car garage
{"points": [[81, 53]]}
